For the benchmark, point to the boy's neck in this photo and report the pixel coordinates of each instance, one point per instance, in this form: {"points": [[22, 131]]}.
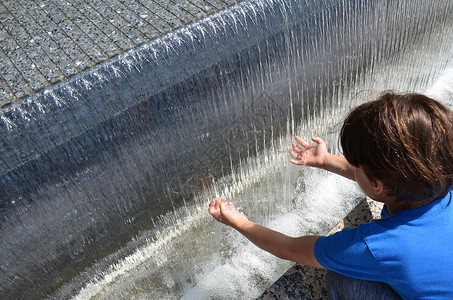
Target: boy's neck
{"points": [[393, 206]]}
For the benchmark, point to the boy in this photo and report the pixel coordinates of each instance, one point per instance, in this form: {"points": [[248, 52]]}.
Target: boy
{"points": [[399, 149]]}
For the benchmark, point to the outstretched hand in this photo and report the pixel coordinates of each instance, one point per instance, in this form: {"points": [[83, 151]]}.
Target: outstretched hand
{"points": [[226, 213], [309, 155]]}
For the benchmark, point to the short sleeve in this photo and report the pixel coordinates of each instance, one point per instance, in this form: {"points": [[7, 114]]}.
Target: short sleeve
{"points": [[347, 253]]}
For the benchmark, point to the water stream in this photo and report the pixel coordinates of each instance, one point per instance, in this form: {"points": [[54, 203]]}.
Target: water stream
{"points": [[106, 176]]}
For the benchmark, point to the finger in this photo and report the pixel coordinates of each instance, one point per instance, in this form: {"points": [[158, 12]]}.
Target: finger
{"points": [[211, 205], [296, 162], [217, 204], [294, 154], [222, 207], [297, 149], [302, 142], [317, 140]]}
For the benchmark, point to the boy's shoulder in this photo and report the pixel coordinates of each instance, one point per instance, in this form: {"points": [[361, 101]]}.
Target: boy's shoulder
{"points": [[432, 216]]}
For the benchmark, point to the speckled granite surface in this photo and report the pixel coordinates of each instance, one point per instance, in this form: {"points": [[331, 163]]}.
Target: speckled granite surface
{"points": [[302, 282], [44, 41]]}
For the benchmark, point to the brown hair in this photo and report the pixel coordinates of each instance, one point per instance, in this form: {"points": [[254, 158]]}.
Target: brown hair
{"points": [[406, 141]]}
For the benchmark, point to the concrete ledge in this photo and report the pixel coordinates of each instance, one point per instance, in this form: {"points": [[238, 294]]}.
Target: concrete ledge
{"points": [[43, 42], [302, 282]]}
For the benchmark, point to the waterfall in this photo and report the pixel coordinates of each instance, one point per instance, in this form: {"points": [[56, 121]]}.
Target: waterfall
{"points": [[105, 176]]}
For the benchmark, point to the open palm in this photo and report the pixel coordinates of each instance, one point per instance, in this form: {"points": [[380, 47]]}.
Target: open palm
{"points": [[308, 155]]}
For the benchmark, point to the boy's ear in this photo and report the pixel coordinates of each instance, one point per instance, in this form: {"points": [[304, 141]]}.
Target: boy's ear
{"points": [[378, 187]]}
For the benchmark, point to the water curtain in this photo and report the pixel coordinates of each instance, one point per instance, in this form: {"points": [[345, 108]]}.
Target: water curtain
{"points": [[92, 162]]}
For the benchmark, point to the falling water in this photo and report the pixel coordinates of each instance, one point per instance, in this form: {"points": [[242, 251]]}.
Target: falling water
{"points": [[106, 176]]}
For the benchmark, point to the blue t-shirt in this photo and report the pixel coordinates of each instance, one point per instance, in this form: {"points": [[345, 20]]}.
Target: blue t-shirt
{"points": [[411, 250]]}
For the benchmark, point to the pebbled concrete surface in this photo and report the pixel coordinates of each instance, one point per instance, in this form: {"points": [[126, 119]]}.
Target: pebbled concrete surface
{"points": [[44, 41]]}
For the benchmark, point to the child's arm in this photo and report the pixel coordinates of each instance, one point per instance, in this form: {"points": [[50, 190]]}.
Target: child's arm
{"points": [[300, 250], [317, 156]]}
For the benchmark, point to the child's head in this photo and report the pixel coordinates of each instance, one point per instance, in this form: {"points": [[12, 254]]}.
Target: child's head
{"points": [[405, 141]]}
